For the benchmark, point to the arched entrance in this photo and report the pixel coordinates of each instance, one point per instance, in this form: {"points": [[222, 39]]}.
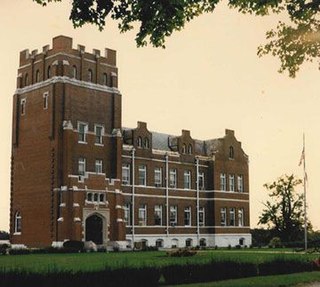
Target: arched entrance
{"points": [[94, 229]]}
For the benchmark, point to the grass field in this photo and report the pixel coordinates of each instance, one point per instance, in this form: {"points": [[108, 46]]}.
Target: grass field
{"points": [[97, 261]]}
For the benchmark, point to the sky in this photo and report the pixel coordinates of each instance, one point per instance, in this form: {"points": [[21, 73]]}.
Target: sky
{"points": [[208, 78]]}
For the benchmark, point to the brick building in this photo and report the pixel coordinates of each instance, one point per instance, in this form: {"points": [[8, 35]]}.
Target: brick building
{"points": [[76, 173]]}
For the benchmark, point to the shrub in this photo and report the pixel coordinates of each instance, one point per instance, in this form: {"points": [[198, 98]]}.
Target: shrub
{"points": [[238, 246], [229, 246], [275, 242], [282, 266], [22, 251], [73, 246], [4, 248], [182, 253]]}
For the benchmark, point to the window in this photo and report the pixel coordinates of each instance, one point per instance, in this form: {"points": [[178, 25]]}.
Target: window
{"points": [[222, 181], [105, 79], [201, 180], [90, 76], [95, 197], [188, 242], [183, 150], [173, 178], [125, 173], [17, 222], [102, 197], [23, 106], [159, 243], [240, 183], [201, 216], [190, 149], [99, 132], [223, 216], [143, 215], [45, 100], [89, 197], [81, 166], [173, 215], [127, 214], [26, 80], [187, 179], [139, 142], [146, 143], [187, 216], [82, 132], [142, 175], [98, 166], [158, 215], [49, 72], [231, 182], [203, 242], [232, 217], [240, 217], [158, 176], [37, 76], [74, 72], [231, 152]]}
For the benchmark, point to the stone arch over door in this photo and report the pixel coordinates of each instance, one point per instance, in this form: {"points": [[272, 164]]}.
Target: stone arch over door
{"points": [[94, 228]]}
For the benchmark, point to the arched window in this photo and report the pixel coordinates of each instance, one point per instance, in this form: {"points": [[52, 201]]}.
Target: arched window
{"points": [[146, 143], [37, 76], [159, 243], [90, 76], [231, 152], [95, 197], [190, 149], [189, 242], [17, 222], [183, 150], [203, 242], [139, 142], [105, 79], [26, 80], [101, 197], [49, 72], [74, 72], [89, 196]]}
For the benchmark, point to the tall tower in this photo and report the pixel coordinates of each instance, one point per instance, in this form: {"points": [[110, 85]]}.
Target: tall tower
{"points": [[66, 147]]}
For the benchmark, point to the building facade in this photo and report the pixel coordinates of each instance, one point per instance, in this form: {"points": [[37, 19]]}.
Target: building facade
{"points": [[77, 174]]}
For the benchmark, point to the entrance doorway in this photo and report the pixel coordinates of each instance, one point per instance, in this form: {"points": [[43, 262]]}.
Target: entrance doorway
{"points": [[94, 229]]}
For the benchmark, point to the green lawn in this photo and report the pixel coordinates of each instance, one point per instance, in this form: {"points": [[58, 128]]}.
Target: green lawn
{"points": [[263, 281], [96, 261]]}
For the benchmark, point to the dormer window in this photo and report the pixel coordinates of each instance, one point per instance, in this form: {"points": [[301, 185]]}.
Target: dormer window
{"points": [[139, 142], [183, 150], [231, 152], [146, 143], [190, 149]]}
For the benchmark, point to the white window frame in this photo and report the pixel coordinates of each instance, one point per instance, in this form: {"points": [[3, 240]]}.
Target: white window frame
{"points": [[98, 138], [173, 178], [74, 72], [81, 165], [45, 100], [158, 176], [240, 217], [142, 172], [231, 182], [82, 137], [202, 213], [240, 183], [223, 181], [187, 179], [127, 214], [158, 214], [98, 166], [232, 216], [223, 216], [173, 216], [17, 223], [126, 173], [201, 180], [187, 216], [142, 215], [23, 104]]}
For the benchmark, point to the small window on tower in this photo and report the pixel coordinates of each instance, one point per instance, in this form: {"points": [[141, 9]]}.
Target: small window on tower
{"points": [[105, 79], [26, 80], [231, 152], [90, 76], [23, 106], [37, 76], [74, 72], [49, 72], [45, 100]]}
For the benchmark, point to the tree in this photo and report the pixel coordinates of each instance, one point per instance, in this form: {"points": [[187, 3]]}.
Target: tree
{"points": [[293, 43], [284, 212]]}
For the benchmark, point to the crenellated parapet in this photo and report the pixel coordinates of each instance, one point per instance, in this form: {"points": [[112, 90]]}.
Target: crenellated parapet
{"points": [[64, 61]]}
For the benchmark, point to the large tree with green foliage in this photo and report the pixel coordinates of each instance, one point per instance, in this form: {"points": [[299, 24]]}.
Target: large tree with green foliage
{"points": [[284, 212], [294, 42]]}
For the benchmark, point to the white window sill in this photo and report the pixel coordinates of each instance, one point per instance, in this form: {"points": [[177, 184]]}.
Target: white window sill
{"points": [[80, 142], [99, 144], [17, 233]]}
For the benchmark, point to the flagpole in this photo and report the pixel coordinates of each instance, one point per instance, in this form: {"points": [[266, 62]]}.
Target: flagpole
{"points": [[305, 197]]}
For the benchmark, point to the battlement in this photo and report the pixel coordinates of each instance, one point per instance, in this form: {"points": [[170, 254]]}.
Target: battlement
{"points": [[64, 60]]}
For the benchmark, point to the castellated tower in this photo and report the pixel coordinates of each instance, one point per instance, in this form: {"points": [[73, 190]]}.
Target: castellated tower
{"points": [[66, 147]]}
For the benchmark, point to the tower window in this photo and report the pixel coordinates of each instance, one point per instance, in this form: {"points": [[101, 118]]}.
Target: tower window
{"points": [[146, 143], [74, 72], [37, 76], [49, 72], [105, 79], [26, 80], [183, 150], [45, 100], [90, 75], [139, 142], [190, 149], [17, 222], [23, 106], [231, 152]]}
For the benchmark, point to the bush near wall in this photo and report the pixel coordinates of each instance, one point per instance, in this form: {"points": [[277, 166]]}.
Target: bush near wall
{"points": [[282, 266]]}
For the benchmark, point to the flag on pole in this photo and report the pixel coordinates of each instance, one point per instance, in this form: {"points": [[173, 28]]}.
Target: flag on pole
{"points": [[302, 157]]}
